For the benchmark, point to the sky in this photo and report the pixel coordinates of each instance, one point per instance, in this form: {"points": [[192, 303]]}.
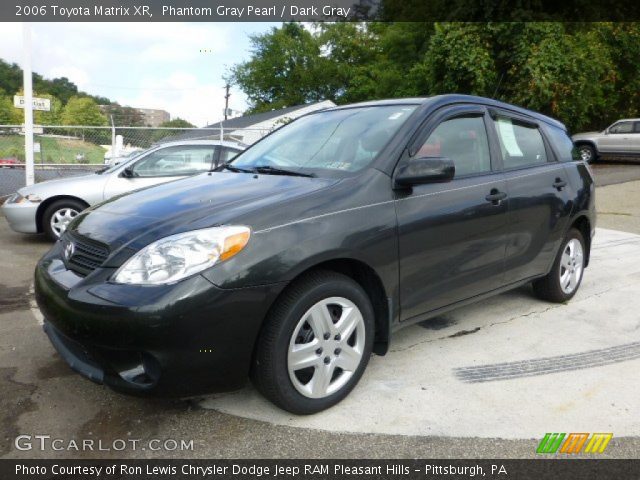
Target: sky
{"points": [[176, 67]]}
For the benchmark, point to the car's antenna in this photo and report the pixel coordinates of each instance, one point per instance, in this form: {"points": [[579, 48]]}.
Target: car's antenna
{"points": [[498, 86]]}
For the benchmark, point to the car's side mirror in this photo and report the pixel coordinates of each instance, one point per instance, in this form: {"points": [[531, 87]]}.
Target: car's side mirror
{"points": [[419, 171], [128, 173]]}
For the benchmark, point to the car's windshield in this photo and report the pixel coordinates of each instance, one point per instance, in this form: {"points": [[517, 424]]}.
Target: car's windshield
{"points": [[338, 140]]}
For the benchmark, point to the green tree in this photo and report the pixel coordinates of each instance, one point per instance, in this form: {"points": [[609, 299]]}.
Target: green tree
{"points": [[287, 68], [585, 74], [177, 123], [126, 116], [82, 111], [9, 115]]}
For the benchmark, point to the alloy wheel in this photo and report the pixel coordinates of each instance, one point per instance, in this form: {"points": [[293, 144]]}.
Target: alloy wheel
{"points": [[326, 347], [586, 154], [571, 266]]}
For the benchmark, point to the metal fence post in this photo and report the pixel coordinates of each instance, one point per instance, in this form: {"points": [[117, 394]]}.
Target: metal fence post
{"points": [[113, 137], [28, 104]]}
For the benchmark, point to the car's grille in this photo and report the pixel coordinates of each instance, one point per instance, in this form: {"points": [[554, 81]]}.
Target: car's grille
{"points": [[85, 256]]}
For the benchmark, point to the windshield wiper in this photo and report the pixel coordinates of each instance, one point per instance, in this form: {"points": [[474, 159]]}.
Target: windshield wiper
{"points": [[269, 170], [236, 169]]}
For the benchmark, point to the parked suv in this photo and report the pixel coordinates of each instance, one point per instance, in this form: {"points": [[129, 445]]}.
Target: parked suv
{"points": [[619, 140], [298, 259], [48, 207]]}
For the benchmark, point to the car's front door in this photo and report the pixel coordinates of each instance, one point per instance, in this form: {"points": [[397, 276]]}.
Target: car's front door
{"points": [[539, 196], [452, 235], [160, 166]]}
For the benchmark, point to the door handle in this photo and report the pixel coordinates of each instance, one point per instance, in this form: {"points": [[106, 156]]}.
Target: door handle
{"points": [[559, 184], [495, 196]]}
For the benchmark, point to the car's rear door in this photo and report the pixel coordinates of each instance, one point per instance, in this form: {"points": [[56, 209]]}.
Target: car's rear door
{"points": [[160, 166], [539, 195], [452, 235]]}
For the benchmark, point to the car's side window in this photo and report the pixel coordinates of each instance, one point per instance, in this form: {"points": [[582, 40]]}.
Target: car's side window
{"points": [[521, 144], [227, 154], [175, 161], [464, 140], [636, 127], [622, 127]]}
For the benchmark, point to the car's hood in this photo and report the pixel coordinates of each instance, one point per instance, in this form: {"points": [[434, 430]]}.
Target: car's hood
{"points": [[74, 185], [196, 202], [586, 135]]}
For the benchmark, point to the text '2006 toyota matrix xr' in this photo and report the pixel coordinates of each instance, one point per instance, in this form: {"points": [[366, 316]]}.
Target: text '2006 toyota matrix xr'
{"points": [[294, 262]]}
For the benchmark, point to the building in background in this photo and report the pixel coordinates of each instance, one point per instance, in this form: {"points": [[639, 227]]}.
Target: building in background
{"points": [[154, 117]]}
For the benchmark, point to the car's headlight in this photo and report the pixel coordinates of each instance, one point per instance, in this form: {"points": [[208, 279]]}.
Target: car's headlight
{"points": [[173, 258], [18, 198]]}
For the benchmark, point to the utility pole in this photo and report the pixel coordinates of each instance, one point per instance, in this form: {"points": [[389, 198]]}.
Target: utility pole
{"points": [[226, 100], [27, 80]]}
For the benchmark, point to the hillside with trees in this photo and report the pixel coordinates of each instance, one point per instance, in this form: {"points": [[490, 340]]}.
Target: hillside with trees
{"points": [[585, 74]]}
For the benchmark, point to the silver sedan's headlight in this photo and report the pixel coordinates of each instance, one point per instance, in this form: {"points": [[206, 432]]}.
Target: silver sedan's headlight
{"points": [[173, 258], [18, 198]]}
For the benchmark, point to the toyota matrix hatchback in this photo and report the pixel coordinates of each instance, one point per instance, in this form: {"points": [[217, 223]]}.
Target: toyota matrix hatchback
{"points": [[294, 262]]}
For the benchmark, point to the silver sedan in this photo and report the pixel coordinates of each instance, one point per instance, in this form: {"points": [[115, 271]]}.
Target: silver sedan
{"points": [[48, 207]]}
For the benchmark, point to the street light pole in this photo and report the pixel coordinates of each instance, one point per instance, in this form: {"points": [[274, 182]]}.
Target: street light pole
{"points": [[28, 103]]}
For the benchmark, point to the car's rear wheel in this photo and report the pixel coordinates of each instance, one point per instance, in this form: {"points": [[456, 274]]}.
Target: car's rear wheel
{"points": [[587, 153], [316, 343], [57, 216], [562, 283]]}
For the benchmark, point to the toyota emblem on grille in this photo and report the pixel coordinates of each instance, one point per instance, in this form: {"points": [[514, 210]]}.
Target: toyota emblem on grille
{"points": [[69, 249]]}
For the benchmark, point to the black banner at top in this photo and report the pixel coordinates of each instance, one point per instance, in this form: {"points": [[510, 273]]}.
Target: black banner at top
{"points": [[317, 10]]}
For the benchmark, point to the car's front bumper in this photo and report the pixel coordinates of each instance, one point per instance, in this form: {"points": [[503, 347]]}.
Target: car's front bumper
{"points": [[184, 339], [21, 216]]}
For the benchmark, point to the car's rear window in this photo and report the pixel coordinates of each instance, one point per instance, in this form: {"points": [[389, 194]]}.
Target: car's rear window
{"points": [[562, 144]]}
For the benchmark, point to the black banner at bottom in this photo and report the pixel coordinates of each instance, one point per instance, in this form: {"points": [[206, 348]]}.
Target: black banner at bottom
{"points": [[556, 468]]}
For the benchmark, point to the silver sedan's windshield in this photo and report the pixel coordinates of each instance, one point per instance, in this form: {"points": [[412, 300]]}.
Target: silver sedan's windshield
{"points": [[341, 140]]}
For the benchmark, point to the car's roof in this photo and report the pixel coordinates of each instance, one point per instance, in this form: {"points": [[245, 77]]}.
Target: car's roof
{"points": [[437, 101], [628, 120], [224, 143]]}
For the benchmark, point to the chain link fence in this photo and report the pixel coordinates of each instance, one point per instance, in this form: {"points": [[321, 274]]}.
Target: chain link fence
{"points": [[62, 151]]}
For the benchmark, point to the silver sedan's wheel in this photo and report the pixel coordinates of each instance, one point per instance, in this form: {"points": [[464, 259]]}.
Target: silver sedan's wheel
{"points": [[326, 347], [571, 266], [61, 218]]}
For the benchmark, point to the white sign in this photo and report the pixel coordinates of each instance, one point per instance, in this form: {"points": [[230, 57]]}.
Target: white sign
{"points": [[508, 136], [36, 147], [43, 104]]}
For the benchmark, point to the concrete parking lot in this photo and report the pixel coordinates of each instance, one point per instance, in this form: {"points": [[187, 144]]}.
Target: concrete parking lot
{"points": [[488, 380]]}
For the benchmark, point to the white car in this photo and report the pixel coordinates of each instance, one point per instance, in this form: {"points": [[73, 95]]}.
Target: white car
{"points": [[48, 207]]}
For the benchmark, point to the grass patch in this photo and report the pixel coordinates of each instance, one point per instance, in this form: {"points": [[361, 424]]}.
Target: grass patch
{"points": [[52, 149]]}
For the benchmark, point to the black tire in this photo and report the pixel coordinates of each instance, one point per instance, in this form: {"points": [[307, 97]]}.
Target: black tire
{"points": [[270, 372], [58, 205], [587, 153], [549, 288]]}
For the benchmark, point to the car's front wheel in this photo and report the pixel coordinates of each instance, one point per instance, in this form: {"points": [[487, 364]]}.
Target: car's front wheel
{"points": [[316, 343], [57, 216], [562, 283], [587, 153]]}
